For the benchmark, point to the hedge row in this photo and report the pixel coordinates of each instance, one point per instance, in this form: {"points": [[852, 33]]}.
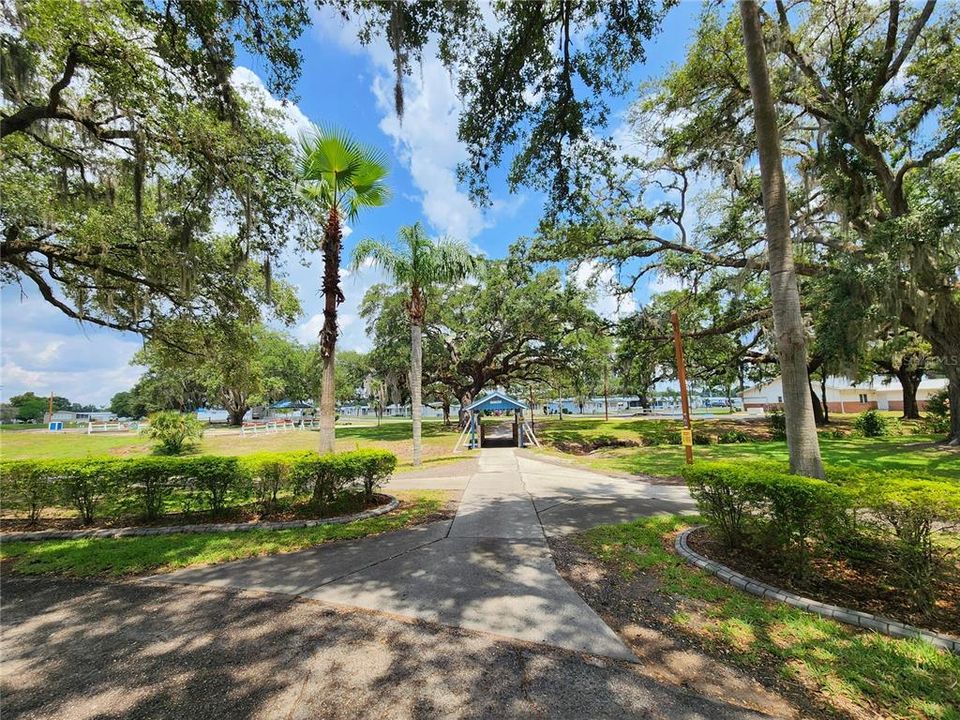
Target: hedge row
{"points": [[98, 486], [762, 503]]}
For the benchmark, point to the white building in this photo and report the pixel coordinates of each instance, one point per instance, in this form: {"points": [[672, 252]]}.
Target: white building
{"points": [[846, 396]]}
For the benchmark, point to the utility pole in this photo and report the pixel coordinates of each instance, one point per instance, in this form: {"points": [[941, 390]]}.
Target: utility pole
{"points": [[687, 433], [50, 408]]}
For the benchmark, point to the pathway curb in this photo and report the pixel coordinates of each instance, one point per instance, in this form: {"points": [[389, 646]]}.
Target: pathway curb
{"points": [[211, 527], [887, 626]]}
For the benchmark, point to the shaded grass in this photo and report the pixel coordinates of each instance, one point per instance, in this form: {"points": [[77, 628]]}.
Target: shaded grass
{"points": [[901, 678], [160, 553], [914, 453]]}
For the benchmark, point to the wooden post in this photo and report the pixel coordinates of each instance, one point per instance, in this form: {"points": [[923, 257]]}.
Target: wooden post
{"points": [[50, 408], [682, 377]]}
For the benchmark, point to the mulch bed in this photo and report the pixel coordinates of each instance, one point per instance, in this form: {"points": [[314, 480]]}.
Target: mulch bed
{"points": [[866, 584], [244, 514]]}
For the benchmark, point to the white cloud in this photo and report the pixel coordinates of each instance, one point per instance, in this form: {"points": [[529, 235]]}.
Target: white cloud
{"points": [[43, 352], [425, 140], [353, 334], [292, 119], [602, 282]]}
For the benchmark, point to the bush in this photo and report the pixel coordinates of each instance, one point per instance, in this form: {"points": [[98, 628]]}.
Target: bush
{"points": [[152, 480], [173, 431], [214, 477], [722, 495], [778, 424], [99, 485], [732, 437], [701, 438], [915, 512], [84, 483], [781, 509], [271, 474], [24, 486], [871, 424], [375, 467], [937, 413]]}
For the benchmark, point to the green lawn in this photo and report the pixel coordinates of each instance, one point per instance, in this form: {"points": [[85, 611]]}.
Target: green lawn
{"points": [[161, 553], [914, 453], [880, 675], [394, 436]]}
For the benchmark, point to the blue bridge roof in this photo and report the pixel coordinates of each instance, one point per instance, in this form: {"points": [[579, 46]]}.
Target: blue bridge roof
{"points": [[495, 401]]}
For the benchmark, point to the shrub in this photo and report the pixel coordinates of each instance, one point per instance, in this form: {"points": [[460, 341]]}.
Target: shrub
{"points": [[99, 485], [785, 510], [916, 512], [84, 483], [871, 424], [721, 492], [173, 430], [24, 486], [778, 424], [271, 474], [937, 413], [215, 476], [672, 437], [732, 437], [322, 476], [375, 467], [701, 438]]}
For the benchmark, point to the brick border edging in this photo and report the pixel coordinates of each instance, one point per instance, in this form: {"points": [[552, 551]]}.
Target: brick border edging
{"points": [[28, 535], [887, 626]]}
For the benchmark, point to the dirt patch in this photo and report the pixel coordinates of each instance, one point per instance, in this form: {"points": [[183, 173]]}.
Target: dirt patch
{"points": [[866, 583], [641, 614], [245, 514]]}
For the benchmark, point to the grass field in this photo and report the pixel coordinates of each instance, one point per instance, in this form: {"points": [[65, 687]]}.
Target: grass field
{"points": [[158, 553], [394, 436], [914, 453], [858, 674]]}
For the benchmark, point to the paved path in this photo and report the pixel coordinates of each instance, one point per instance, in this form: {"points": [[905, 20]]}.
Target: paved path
{"points": [[489, 569], [88, 650]]}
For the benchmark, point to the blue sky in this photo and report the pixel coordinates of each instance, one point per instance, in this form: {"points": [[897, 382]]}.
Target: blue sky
{"points": [[351, 86]]}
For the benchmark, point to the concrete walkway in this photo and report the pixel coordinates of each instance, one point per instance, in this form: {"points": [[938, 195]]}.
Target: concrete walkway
{"points": [[489, 569]]}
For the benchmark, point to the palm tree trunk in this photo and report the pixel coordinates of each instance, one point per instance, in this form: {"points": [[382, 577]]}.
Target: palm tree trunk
{"points": [[802, 442], [416, 382], [332, 297]]}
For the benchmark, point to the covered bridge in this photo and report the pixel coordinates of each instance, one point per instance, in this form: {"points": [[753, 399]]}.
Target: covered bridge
{"points": [[499, 403]]}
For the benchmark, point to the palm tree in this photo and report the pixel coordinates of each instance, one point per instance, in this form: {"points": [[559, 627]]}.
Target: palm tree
{"points": [[802, 443], [341, 177], [415, 263]]}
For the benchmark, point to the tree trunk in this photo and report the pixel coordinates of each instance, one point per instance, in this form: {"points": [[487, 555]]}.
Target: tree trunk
{"points": [[416, 381], [446, 411], [332, 297], [823, 397], [818, 417], [465, 399], [909, 382], [802, 442], [952, 370], [235, 403]]}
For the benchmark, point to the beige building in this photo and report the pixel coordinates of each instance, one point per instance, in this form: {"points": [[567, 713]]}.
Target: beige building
{"points": [[845, 396]]}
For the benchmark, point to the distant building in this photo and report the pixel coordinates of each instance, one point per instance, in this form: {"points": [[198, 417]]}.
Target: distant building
{"points": [[69, 416], [846, 396]]}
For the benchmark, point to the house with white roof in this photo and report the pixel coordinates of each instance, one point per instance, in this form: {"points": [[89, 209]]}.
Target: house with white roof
{"points": [[847, 396]]}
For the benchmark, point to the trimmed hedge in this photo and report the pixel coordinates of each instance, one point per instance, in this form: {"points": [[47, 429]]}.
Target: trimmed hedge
{"points": [[763, 504], [760, 501], [112, 486]]}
